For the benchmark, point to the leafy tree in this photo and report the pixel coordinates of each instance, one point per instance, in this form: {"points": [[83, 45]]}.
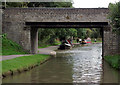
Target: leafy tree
{"points": [[79, 32], [114, 16], [71, 32], [88, 32], [84, 35], [96, 33], [15, 4], [50, 4], [38, 4]]}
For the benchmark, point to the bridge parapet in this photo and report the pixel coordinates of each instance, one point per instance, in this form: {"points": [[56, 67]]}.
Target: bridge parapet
{"points": [[59, 14]]}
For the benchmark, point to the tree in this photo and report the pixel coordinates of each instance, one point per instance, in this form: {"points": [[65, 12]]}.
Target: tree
{"points": [[50, 4], [88, 32], [96, 33], [38, 4], [114, 16], [15, 4]]}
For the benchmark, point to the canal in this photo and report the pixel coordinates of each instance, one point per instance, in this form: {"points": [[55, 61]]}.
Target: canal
{"points": [[79, 65]]}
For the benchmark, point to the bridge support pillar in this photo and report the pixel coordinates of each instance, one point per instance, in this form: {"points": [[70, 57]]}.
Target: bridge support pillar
{"points": [[111, 44], [34, 40]]}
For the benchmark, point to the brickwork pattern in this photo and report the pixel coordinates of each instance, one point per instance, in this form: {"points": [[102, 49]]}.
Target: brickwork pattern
{"points": [[111, 43], [58, 14]]}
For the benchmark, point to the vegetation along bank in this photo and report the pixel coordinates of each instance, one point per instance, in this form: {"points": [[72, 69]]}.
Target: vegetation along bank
{"points": [[21, 64], [114, 61]]}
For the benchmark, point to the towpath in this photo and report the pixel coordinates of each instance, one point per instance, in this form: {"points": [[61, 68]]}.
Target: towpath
{"points": [[48, 51]]}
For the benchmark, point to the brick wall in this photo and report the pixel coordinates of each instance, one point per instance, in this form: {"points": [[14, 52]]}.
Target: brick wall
{"points": [[111, 42]]}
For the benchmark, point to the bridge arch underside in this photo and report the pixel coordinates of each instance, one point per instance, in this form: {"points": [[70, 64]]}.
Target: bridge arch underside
{"points": [[35, 25], [67, 24]]}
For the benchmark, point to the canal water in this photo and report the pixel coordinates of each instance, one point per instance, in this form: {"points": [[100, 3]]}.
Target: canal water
{"points": [[79, 65]]}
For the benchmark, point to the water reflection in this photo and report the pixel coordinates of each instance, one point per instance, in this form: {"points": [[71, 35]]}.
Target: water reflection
{"points": [[79, 65], [87, 62], [110, 75]]}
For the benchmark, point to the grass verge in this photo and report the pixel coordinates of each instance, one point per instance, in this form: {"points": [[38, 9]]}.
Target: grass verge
{"points": [[114, 61], [10, 48], [22, 62]]}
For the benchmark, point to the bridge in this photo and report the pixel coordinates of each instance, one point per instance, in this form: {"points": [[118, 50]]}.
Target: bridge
{"points": [[21, 24]]}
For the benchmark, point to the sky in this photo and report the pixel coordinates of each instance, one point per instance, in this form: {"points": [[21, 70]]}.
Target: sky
{"points": [[92, 3]]}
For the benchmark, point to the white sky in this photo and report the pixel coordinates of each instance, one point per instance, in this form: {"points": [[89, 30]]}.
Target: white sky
{"points": [[92, 3]]}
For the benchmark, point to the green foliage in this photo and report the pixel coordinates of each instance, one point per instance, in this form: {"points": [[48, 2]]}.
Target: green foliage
{"points": [[38, 4], [22, 62], [114, 16], [57, 42], [114, 61], [50, 4], [96, 33], [72, 32], [9, 47], [88, 32], [79, 32], [48, 36], [15, 4]]}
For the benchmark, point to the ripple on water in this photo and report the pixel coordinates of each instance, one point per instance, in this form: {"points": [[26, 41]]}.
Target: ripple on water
{"points": [[87, 64]]}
